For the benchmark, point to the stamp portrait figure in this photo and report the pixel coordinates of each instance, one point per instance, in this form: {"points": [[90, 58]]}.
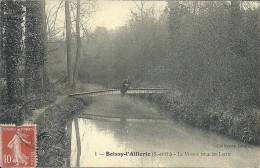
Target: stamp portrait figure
{"points": [[15, 145]]}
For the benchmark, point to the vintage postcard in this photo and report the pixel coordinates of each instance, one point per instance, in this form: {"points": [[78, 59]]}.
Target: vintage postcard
{"points": [[129, 83]]}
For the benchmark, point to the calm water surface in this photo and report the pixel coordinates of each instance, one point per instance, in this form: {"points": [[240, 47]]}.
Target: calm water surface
{"points": [[170, 138]]}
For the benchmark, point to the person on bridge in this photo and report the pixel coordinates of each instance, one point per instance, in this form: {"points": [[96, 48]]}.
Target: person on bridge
{"points": [[125, 86]]}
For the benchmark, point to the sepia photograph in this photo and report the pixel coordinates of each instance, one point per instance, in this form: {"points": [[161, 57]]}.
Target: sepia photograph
{"points": [[130, 83]]}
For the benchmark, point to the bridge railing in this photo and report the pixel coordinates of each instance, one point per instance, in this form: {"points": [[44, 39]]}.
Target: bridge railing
{"points": [[117, 91]]}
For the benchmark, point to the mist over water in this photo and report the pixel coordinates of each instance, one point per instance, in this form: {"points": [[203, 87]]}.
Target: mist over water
{"points": [[99, 137]]}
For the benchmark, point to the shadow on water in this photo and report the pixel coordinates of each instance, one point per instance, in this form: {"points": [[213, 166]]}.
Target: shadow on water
{"points": [[179, 145]]}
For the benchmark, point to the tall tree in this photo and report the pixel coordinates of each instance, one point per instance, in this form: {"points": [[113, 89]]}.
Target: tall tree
{"points": [[78, 45], [68, 42], [35, 48], [13, 47], [2, 61], [195, 4], [45, 79], [235, 20]]}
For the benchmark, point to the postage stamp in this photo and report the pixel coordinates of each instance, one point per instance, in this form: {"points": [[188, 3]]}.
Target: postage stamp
{"points": [[18, 146]]}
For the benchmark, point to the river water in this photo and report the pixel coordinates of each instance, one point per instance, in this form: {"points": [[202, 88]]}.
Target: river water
{"points": [[161, 143]]}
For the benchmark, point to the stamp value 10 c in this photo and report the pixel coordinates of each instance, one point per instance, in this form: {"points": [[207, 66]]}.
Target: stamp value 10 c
{"points": [[18, 146]]}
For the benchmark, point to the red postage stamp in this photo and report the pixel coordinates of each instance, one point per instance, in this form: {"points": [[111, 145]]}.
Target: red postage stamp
{"points": [[18, 146]]}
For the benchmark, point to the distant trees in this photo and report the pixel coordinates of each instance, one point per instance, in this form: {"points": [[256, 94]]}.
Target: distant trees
{"points": [[212, 62], [141, 46], [209, 50]]}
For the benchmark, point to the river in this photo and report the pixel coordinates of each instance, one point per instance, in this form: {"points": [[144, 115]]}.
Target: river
{"points": [[150, 143]]}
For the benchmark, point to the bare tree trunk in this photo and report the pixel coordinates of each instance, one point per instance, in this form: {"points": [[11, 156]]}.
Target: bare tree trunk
{"points": [[195, 4], [142, 11], [45, 80], [78, 141], [68, 42], [235, 20], [13, 47], [78, 54]]}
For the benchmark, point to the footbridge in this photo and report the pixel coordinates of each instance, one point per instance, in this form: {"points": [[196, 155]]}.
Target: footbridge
{"points": [[132, 91], [123, 115]]}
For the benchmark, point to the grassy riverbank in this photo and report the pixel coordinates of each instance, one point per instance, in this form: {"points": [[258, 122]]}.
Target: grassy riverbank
{"points": [[54, 145], [242, 124], [53, 126]]}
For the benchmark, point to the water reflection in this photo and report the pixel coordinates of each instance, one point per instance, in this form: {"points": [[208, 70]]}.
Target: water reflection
{"points": [[99, 137], [127, 133]]}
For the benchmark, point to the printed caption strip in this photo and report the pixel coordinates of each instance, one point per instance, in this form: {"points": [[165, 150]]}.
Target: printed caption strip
{"points": [[18, 146]]}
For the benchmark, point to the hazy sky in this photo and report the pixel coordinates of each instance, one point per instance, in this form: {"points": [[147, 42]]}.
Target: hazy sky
{"points": [[109, 14], [115, 13]]}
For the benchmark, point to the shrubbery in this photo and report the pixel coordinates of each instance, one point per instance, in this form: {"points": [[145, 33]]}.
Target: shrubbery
{"points": [[240, 123]]}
